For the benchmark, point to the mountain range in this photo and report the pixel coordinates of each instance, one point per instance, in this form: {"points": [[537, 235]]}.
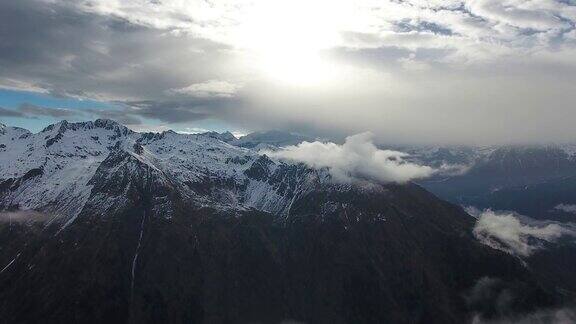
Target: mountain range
{"points": [[534, 180], [101, 224]]}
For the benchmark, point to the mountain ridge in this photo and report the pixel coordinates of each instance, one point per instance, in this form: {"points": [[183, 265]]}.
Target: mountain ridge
{"points": [[174, 227]]}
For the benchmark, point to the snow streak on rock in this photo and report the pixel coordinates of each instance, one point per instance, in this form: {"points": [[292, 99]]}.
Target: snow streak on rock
{"points": [[136, 253]]}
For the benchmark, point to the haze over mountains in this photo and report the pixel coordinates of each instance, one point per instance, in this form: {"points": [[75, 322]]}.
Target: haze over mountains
{"points": [[103, 224]]}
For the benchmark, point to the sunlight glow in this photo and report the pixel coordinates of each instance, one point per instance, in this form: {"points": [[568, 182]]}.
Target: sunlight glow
{"points": [[287, 38]]}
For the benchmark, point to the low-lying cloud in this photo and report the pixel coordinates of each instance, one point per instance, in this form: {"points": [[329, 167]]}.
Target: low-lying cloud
{"points": [[498, 298], [504, 231], [566, 208], [22, 216], [553, 316], [357, 159]]}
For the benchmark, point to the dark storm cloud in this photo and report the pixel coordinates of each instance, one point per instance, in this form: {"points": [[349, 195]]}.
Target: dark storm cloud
{"points": [[69, 53]]}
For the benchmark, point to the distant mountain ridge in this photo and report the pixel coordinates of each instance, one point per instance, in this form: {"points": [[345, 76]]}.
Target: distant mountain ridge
{"points": [[272, 138], [502, 178]]}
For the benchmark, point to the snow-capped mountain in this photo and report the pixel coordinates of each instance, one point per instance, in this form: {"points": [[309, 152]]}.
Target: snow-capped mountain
{"points": [[164, 227], [224, 137], [57, 169]]}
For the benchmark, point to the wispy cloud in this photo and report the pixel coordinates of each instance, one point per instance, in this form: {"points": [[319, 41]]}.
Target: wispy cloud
{"points": [[30, 110], [4, 112], [566, 315], [568, 208], [498, 298], [211, 88], [33, 110], [22, 216]]}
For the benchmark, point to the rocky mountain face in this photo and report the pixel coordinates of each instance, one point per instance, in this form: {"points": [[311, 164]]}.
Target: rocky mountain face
{"points": [[104, 225]]}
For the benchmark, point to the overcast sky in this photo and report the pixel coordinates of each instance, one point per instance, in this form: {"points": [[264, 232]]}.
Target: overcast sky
{"points": [[475, 71]]}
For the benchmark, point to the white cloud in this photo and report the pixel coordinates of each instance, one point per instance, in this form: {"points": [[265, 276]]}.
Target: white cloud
{"points": [[357, 158], [208, 89], [239, 134], [412, 65], [539, 14], [491, 22], [505, 231], [452, 169]]}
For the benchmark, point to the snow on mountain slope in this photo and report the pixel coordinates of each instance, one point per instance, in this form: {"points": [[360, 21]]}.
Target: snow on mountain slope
{"points": [[50, 170], [228, 176], [57, 169]]}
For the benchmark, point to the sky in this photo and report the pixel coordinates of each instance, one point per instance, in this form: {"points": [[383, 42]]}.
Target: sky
{"points": [[407, 71]]}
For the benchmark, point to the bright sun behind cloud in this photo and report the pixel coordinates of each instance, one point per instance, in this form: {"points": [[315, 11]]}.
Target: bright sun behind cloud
{"points": [[287, 38]]}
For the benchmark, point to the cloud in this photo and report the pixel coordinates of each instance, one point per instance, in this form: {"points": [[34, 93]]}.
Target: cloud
{"points": [[27, 110], [178, 111], [10, 113], [33, 110], [490, 296], [496, 298], [452, 169], [539, 15], [123, 116], [19, 85], [566, 208], [22, 216], [357, 158], [413, 71], [211, 88], [505, 231], [566, 315], [56, 48]]}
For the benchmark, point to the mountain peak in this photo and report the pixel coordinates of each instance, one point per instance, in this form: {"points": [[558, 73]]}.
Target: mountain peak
{"points": [[108, 124], [224, 137]]}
